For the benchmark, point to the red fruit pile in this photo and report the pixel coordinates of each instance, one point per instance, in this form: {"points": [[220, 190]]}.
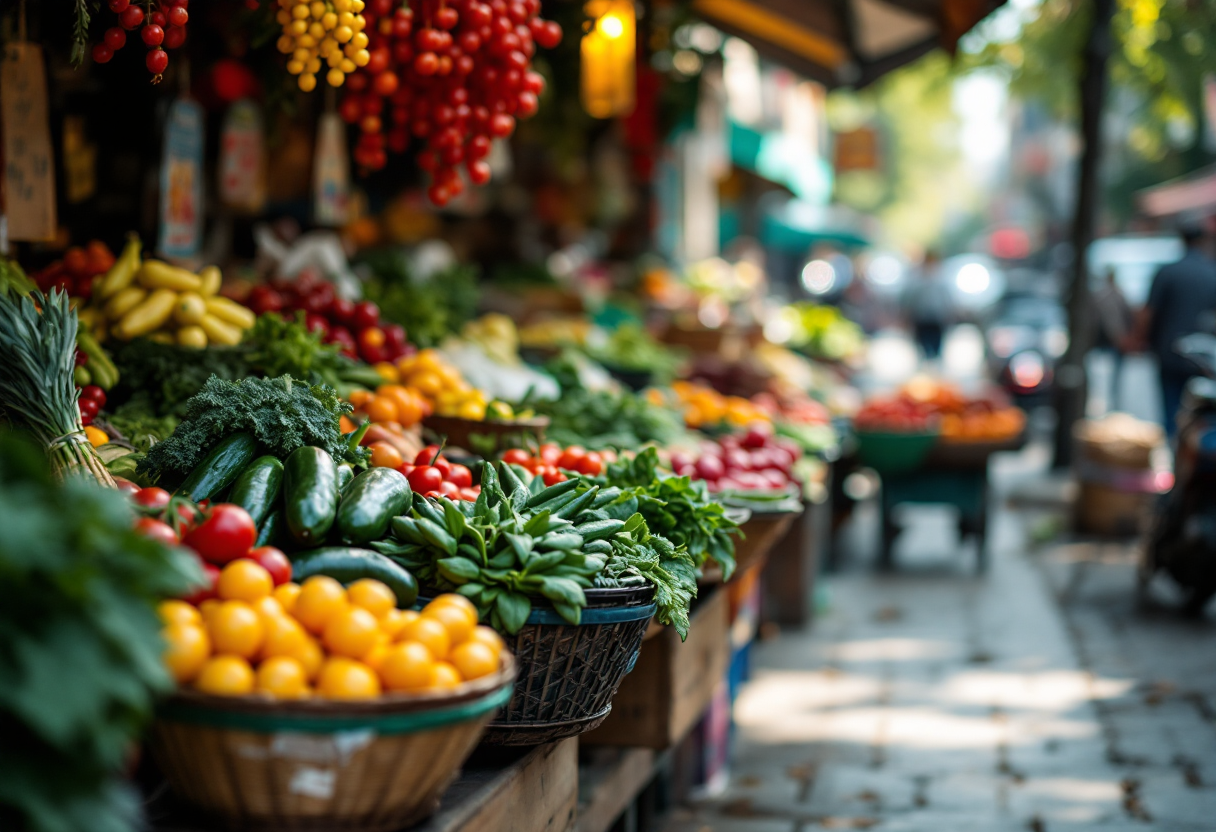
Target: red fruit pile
{"points": [[552, 459], [77, 271], [161, 24], [756, 461], [431, 475], [355, 327], [92, 400], [218, 534], [455, 74], [897, 414]]}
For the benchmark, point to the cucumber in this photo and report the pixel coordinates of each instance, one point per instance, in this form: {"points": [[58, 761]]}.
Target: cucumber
{"points": [[257, 488], [310, 494], [270, 532], [220, 467], [346, 473], [369, 502], [347, 565]]}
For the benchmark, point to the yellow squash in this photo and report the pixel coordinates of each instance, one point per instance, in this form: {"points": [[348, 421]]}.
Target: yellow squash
{"points": [[230, 312], [123, 302], [122, 272], [211, 278], [149, 316], [156, 274], [219, 332], [192, 336], [190, 309]]}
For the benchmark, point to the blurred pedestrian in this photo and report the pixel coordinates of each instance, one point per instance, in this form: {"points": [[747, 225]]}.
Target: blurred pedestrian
{"points": [[929, 306], [1115, 322], [1181, 296]]}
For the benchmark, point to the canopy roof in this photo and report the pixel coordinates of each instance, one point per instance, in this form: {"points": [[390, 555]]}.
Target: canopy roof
{"points": [[845, 42]]}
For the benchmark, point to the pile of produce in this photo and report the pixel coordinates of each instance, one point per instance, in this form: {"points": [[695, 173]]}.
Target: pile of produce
{"points": [[162, 27], [896, 414], [631, 348], [430, 308], [76, 273], [550, 459], [823, 331], [354, 327], [924, 405], [315, 32], [81, 659], [149, 298], [705, 407], [757, 461], [523, 541]]}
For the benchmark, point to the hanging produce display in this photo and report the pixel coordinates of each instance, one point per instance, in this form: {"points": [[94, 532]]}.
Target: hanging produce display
{"points": [[455, 74], [161, 26], [318, 31]]}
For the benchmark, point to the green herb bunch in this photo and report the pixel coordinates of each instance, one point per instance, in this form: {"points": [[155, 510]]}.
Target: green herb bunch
{"points": [[521, 540], [431, 309], [678, 508], [282, 414], [80, 664]]}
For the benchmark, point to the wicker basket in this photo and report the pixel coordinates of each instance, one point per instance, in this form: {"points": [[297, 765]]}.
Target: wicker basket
{"points": [[567, 674], [488, 436], [319, 765]]}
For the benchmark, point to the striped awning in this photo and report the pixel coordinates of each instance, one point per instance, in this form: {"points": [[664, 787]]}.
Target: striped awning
{"points": [[845, 42]]}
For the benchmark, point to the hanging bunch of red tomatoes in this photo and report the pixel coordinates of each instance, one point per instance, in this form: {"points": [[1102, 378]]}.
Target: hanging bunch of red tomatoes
{"points": [[162, 26], [454, 74]]}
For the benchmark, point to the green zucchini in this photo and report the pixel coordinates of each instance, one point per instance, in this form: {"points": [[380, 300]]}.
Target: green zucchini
{"points": [[347, 565], [369, 502], [310, 492], [219, 467], [270, 532], [257, 488], [346, 473]]}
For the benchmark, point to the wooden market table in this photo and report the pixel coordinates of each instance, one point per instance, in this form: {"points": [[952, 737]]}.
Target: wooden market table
{"points": [[955, 474]]}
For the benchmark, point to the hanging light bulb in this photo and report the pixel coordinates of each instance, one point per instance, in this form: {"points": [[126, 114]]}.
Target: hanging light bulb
{"points": [[608, 58]]}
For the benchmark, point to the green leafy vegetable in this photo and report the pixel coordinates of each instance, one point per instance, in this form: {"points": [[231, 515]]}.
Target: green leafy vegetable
{"points": [[630, 347], [281, 414], [430, 309], [81, 661]]}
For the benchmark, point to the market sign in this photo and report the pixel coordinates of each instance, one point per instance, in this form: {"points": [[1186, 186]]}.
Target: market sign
{"points": [[181, 182], [29, 169]]}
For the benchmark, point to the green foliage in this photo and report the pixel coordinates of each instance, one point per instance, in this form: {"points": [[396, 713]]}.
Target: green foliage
{"points": [[600, 419], [80, 664], [431, 309], [630, 347], [678, 508], [521, 541], [283, 415]]}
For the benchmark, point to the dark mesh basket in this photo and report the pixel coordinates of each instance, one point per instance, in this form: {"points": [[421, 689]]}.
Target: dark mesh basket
{"points": [[568, 675]]}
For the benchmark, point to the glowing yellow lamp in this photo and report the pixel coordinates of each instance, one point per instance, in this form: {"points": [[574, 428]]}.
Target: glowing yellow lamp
{"points": [[608, 58]]}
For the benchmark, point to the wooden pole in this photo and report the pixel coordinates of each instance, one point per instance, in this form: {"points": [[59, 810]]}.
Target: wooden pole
{"points": [[1071, 387]]}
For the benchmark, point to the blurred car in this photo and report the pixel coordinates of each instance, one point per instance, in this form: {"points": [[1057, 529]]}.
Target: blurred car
{"points": [[1024, 338]]}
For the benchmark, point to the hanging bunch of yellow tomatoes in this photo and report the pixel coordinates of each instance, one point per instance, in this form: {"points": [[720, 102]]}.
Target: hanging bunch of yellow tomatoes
{"points": [[316, 31]]}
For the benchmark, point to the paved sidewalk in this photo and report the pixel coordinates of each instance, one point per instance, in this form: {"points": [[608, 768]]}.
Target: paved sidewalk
{"points": [[932, 700]]}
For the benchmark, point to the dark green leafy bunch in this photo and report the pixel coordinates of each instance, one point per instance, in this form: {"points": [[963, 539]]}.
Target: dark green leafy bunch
{"points": [[80, 646], [678, 508], [431, 309], [282, 415], [521, 540]]}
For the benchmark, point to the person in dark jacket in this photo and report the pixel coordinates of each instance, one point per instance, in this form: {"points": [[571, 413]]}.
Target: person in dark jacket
{"points": [[1182, 294]]}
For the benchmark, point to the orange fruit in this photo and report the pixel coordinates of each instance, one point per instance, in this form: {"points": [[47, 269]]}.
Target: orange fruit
{"points": [[178, 612], [225, 676], [375, 657], [358, 398], [244, 580], [309, 654], [283, 636], [430, 633], [428, 383], [456, 600], [408, 666], [206, 610], [487, 636], [385, 455], [236, 630], [351, 633], [268, 607], [381, 409], [187, 648], [455, 619], [474, 660], [282, 677], [472, 410], [394, 621], [343, 678], [373, 596], [286, 595], [446, 676], [320, 599]]}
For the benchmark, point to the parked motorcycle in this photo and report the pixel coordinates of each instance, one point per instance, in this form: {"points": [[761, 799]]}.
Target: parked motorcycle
{"points": [[1182, 542]]}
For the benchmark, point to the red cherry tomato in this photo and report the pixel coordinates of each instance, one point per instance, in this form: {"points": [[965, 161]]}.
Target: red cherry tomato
{"points": [[570, 457], [225, 535], [425, 478], [448, 489], [151, 497], [550, 452], [89, 407], [406, 468], [426, 455], [274, 562], [126, 486], [468, 494], [592, 464], [157, 530], [432, 495], [92, 391], [366, 314], [211, 575], [460, 476], [552, 476], [515, 456]]}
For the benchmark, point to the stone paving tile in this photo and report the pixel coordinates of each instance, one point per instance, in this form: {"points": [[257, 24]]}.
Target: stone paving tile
{"points": [[1037, 697]]}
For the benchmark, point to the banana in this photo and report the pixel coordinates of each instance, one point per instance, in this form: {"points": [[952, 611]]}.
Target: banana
{"points": [[123, 271]]}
